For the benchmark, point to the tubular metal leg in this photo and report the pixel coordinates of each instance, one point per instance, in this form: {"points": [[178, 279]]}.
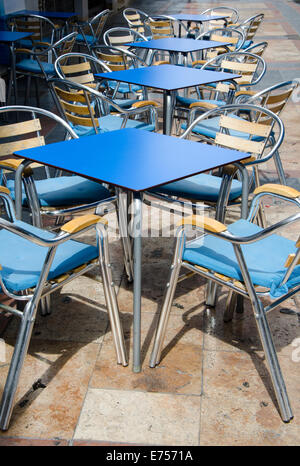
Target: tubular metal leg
{"points": [[165, 312], [137, 281], [279, 168], [230, 306], [211, 293], [167, 112], [111, 299], [16, 364], [123, 227]]}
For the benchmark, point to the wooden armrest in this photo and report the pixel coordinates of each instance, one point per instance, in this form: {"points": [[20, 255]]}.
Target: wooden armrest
{"points": [[79, 223], [198, 62], [235, 25], [13, 164], [161, 62], [281, 190], [205, 223], [4, 189], [144, 103], [203, 104], [24, 51]]}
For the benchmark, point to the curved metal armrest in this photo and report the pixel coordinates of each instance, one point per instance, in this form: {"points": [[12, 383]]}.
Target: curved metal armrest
{"points": [[47, 49]]}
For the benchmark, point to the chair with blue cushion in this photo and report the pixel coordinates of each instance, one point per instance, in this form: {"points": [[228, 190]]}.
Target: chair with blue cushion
{"points": [[90, 32], [250, 67], [43, 31], [249, 261], [258, 48], [260, 138], [90, 112], [43, 192], [249, 26], [136, 20], [34, 263], [35, 63]]}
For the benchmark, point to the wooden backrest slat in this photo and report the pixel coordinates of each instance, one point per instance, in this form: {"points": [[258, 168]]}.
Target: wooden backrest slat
{"points": [[244, 145], [76, 68], [120, 40], [78, 109], [237, 66], [220, 38], [84, 78], [9, 148], [16, 129], [70, 96], [249, 127], [83, 121], [274, 99]]}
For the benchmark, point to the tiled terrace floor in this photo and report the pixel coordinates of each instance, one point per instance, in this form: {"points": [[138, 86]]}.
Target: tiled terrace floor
{"points": [[212, 386]]}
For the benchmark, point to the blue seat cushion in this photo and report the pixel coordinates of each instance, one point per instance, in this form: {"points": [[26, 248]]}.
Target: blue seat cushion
{"points": [[245, 45], [187, 101], [22, 260], [90, 39], [265, 259], [111, 123], [32, 66], [123, 88], [201, 187], [211, 126], [65, 191]]}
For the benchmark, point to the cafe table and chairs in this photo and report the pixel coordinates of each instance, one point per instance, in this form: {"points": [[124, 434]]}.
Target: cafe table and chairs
{"points": [[168, 78], [133, 161]]}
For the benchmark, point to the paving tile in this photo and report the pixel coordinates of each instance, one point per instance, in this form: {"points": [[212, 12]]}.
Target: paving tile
{"points": [[52, 387], [137, 417], [27, 442]]}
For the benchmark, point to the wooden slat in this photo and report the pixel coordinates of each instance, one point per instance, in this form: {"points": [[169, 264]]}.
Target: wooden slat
{"points": [[120, 40], [274, 99], [76, 68], [220, 38], [81, 120], [237, 66], [16, 129], [84, 78], [78, 109], [244, 126], [244, 145], [11, 147], [70, 96]]}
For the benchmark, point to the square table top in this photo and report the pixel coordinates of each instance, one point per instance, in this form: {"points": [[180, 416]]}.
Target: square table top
{"points": [[168, 77], [198, 18], [47, 14], [177, 44], [13, 36], [133, 159]]}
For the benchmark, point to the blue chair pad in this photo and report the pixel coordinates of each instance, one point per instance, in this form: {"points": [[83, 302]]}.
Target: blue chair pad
{"points": [[22, 260], [32, 66], [265, 258], [123, 87], [246, 44], [65, 191], [89, 39], [187, 101], [110, 123], [201, 187]]}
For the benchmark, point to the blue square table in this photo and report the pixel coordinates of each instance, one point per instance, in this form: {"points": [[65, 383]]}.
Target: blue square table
{"points": [[9, 38], [134, 160], [168, 78]]}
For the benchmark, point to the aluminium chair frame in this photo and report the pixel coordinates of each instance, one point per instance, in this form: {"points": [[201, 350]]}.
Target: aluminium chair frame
{"points": [[245, 288], [89, 24], [44, 288]]}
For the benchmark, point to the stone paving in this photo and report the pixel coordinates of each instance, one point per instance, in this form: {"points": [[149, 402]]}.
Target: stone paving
{"points": [[212, 386]]}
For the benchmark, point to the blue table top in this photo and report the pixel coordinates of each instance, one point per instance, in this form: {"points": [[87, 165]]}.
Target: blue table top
{"points": [[198, 18], [13, 36], [48, 14], [133, 159], [168, 77], [177, 44]]}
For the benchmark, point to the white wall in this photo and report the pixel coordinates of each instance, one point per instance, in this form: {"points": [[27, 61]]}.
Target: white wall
{"points": [[13, 5]]}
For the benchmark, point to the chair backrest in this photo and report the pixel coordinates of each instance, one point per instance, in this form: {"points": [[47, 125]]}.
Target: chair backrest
{"points": [[258, 48], [79, 67], [251, 67], [94, 26], [119, 36], [136, 19], [161, 26], [41, 28], [275, 97], [117, 58], [234, 37], [252, 135], [232, 16], [77, 106], [251, 25]]}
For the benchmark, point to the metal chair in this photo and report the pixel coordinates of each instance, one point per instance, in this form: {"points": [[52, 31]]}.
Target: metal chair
{"points": [[36, 263], [232, 17], [136, 20], [258, 48], [223, 126], [250, 27], [37, 65], [36, 188], [90, 32], [89, 111], [43, 31], [247, 260], [251, 69]]}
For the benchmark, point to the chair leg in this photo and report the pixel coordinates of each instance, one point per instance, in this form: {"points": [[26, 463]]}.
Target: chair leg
{"points": [[211, 293], [16, 364], [123, 227], [165, 312], [272, 361], [111, 300], [230, 306]]}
